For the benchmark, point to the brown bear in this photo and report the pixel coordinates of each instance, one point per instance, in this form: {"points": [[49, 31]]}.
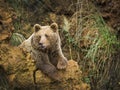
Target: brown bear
{"points": [[46, 50]]}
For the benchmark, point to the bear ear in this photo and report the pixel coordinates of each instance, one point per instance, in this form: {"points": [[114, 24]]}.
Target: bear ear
{"points": [[54, 27], [37, 27]]}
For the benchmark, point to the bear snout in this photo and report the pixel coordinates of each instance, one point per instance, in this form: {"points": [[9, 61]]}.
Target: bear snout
{"points": [[42, 46]]}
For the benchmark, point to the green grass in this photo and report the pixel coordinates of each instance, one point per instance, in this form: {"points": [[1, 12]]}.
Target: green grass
{"points": [[100, 52]]}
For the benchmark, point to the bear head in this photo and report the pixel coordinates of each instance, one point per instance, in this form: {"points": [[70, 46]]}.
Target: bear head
{"points": [[45, 37]]}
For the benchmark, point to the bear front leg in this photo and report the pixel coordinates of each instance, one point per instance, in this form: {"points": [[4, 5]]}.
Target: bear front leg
{"points": [[62, 62], [47, 67], [50, 71], [59, 61]]}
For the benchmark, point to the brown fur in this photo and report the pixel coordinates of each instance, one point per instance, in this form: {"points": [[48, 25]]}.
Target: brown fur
{"points": [[46, 50]]}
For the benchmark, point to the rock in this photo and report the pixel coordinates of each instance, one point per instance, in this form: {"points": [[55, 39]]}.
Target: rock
{"points": [[25, 76], [71, 78], [19, 67]]}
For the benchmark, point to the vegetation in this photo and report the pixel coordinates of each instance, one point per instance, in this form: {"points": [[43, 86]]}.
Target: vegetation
{"points": [[97, 42], [85, 32]]}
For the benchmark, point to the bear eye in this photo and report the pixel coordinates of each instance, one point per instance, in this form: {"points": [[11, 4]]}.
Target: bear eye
{"points": [[46, 35]]}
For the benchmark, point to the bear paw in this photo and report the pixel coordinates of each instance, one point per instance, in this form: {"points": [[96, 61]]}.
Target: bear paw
{"points": [[62, 63]]}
